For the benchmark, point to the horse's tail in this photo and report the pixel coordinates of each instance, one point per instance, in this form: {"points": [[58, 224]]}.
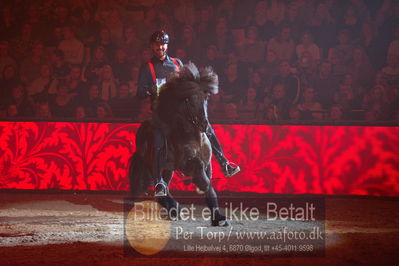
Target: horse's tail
{"points": [[139, 175]]}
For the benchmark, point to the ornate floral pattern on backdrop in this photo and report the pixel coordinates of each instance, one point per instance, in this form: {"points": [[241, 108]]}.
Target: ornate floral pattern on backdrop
{"points": [[274, 159]]}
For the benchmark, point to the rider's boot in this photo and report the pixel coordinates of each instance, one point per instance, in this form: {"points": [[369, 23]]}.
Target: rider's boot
{"points": [[160, 187], [228, 168]]}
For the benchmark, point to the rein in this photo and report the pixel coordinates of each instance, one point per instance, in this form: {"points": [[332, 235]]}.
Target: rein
{"points": [[192, 117]]}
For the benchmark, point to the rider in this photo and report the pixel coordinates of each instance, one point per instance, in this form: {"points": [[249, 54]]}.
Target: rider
{"points": [[152, 75]]}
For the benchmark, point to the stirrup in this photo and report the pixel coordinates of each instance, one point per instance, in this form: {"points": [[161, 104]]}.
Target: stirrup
{"points": [[230, 169], [161, 190]]}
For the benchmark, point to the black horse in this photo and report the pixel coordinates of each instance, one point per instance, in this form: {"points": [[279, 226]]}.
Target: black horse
{"points": [[181, 114]]}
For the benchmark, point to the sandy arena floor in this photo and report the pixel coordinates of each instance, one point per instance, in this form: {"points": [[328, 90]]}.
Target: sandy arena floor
{"points": [[85, 228]]}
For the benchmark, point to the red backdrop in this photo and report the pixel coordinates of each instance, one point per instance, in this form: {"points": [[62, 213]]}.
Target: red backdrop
{"points": [[277, 159]]}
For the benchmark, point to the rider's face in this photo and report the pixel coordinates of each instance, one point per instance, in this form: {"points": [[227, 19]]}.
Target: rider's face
{"points": [[159, 49]]}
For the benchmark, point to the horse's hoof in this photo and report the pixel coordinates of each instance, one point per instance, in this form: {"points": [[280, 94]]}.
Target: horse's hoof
{"points": [[220, 220], [221, 223], [202, 183], [175, 215], [199, 191]]}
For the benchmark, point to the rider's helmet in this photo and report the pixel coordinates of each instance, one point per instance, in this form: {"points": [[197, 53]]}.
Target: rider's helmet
{"points": [[159, 37]]}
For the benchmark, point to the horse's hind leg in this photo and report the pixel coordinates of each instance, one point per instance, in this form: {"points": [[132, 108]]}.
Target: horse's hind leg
{"points": [[200, 177], [168, 201], [217, 219]]}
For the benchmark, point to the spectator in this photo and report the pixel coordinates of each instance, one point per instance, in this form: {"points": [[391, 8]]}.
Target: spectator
{"points": [[8, 80], [30, 67], [5, 58], [205, 22], [231, 84], [256, 82], [293, 21], [184, 13], [43, 111], [133, 81], [72, 48], [123, 105], [289, 80], [377, 102], [45, 84], [121, 67], [166, 22], [249, 105], [336, 113], [63, 103], [12, 111], [8, 24], [225, 10], [61, 17], [306, 68], [104, 40], [215, 107], [75, 83], [344, 48], [345, 95], [276, 11], [338, 66], [294, 114], [20, 99], [147, 25], [222, 37], [325, 84], [59, 66], [309, 108], [146, 56], [280, 101], [351, 20], [190, 43], [323, 25], [269, 68], [283, 45], [87, 28], [181, 54], [211, 59], [131, 44], [269, 114], [253, 49], [309, 46], [266, 28], [92, 70], [80, 113], [391, 71], [115, 26], [144, 112], [231, 112], [55, 37], [103, 111], [394, 45], [108, 83], [23, 43], [91, 100], [361, 69]]}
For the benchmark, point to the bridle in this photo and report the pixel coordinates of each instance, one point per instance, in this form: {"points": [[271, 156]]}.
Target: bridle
{"points": [[193, 118]]}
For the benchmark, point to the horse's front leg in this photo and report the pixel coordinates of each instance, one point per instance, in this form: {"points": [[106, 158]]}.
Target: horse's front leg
{"points": [[217, 219]]}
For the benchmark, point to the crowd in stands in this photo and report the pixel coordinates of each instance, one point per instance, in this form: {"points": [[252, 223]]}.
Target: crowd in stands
{"points": [[292, 60]]}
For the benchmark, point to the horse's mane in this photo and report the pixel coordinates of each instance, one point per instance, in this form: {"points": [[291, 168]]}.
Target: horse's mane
{"points": [[187, 82]]}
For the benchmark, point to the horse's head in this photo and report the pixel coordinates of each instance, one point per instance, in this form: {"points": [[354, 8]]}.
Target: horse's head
{"points": [[185, 96], [196, 111]]}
